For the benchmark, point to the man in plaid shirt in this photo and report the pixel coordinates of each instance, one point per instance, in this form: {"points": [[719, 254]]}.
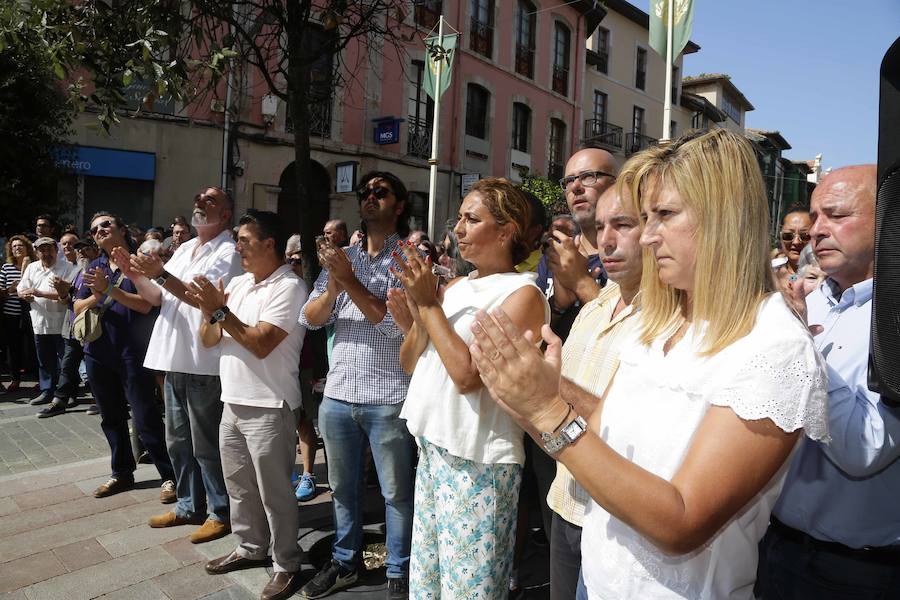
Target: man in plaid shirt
{"points": [[365, 387]]}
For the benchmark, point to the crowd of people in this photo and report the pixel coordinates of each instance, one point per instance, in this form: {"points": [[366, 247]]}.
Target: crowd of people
{"points": [[685, 406]]}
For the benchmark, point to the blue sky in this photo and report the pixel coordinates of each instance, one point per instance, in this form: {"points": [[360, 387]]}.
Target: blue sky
{"points": [[809, 67]]}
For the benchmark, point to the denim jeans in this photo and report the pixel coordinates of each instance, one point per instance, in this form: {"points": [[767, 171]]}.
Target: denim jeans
{"points": [[69, 376], [581, 589], [565, 559], [345, 429], [49, 349], [193, 414]]}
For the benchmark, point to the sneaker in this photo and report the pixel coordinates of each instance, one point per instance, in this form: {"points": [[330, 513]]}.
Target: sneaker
{"points": [[93, 409], [306, 489], [12, 387], [398, 589], [167, 492], [209, 531], [331, 578], [57, 407], [43, 398], [113, 486], [73, 402]]}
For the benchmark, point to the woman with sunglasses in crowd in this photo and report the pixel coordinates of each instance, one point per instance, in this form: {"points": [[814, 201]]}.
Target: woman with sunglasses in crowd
{"points": [[471, 452], [794, 235], [16, 326], [115, 360], [685, 454]]}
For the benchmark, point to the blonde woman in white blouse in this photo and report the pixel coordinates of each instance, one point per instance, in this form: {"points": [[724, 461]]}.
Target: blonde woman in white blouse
{"points": [[686, 452]]}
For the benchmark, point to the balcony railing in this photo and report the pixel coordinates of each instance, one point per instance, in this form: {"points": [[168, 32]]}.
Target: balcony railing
{"points": [[635, 142], [561, 80], [599, 133], [319, 118], [525, 61], [481, 37], [418, 142]]}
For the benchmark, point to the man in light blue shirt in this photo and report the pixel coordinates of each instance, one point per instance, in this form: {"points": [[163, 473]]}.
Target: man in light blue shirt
{"points": [[835, 531]]}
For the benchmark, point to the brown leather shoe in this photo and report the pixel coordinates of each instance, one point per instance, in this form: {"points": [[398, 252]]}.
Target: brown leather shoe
{"points": [[170, 519], [113, 486], [167, 493], [280, 586], [209, 531], [233, 562]]}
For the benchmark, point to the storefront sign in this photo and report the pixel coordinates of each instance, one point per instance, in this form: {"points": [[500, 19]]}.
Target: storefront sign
{"points": [[105, 162], [387, 130]]}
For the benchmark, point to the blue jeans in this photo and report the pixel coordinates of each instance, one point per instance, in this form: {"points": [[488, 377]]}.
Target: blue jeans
{"points": [[581, 589], [193, 414], [68, 376], [345, 429], [49, 349]]}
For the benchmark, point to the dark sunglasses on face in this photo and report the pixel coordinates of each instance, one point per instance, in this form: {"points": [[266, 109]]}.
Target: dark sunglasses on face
{"points": [[587, 178], [788, 236], [380, 192], [103, 224]]}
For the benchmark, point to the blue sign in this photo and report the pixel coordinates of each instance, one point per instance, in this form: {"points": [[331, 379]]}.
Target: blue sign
{"points": [[104, 162], [387, 130]]}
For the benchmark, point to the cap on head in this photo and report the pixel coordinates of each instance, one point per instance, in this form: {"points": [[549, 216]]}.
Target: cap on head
{"points": [[43, 241]]}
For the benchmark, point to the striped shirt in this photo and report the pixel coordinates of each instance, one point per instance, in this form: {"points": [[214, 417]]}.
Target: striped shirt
{"points": [[365, 363], [10, 274], [590, 358]]}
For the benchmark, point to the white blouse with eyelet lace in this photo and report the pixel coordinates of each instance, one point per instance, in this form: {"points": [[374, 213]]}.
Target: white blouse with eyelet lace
{"points": [[655, 405]]}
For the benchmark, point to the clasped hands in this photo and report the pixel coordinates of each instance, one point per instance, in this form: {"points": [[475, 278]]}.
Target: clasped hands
{"points": [[208, 297]]}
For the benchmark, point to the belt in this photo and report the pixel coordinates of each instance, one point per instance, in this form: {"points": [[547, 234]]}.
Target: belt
{"points": [[884, 555]]}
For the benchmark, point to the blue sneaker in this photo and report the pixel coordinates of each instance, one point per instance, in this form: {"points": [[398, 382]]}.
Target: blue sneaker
{"points": [[306, 489]]}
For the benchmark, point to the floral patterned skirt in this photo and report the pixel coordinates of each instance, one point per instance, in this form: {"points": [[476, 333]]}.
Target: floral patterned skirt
{"points": [[464, 526]]}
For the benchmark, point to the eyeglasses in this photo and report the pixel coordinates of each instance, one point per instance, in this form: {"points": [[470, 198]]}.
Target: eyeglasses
{"points": [[380, 192], [294, 261], [103, 224], [788, 236], [587, 178]]}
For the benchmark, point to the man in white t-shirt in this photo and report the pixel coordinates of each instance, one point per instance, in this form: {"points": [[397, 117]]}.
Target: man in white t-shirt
{"points": [[47, 312], [192, 387], [255, 323]]}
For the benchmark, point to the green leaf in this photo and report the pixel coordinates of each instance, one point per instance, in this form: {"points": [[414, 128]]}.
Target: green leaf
{"points": [[127, 77], [59, 70]]}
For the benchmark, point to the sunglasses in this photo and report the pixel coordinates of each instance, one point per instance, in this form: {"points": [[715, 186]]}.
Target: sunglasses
{"points": [[588, 178], [788, 236], [104, 224], [380, 192]]}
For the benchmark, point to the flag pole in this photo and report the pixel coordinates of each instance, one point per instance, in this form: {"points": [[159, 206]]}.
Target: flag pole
{"points": [[435, 129], [667, 95]]}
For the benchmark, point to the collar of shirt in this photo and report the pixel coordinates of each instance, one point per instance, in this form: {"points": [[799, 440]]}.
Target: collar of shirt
{"points": [[390, 243], [856, 295], [190, 246], [277, 274]]}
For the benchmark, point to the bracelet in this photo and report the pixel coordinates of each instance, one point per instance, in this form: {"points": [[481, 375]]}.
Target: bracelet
{"points": [[566, 418], [108, 289]]}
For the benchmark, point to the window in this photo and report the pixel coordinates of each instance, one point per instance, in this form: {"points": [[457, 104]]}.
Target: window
{"points": [[673, 130], [427, 13], [731, 108], [555, 149], [637, 120], [526, 22], [477, 99], [521, 127], [561, 43], [600, 100], [601, 47], [640, 69], [420, 115], [481, 37], [674, 86]]}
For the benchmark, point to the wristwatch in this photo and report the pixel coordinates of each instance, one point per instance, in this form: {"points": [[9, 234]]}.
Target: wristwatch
{"points": [[571, 432], [219, 315], [163, 277]]}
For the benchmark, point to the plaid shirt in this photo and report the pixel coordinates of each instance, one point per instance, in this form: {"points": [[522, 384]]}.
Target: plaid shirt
{"points": [[365, 364]]}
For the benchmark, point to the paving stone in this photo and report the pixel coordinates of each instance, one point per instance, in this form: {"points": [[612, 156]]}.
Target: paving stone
{"points": [[31, 569], [8, 506], [106, 577], [53, 476], [48, 496], [66, 511], [134, 539], [184, 551], [145, 590], [81, 554], [235, 592], [191, 582]]}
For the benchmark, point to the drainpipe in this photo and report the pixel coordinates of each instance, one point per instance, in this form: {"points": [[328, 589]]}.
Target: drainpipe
{"points": [[226, 133]]}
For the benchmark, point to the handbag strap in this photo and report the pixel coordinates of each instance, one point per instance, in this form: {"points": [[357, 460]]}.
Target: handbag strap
{"points": [[108, 300]]}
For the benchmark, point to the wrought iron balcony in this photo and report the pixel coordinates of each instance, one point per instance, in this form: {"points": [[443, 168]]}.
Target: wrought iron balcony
{"points": [[599, 133], [481, 37], [561, 80], [319, 118], [525, 61], [635, 142], [418, 142]]}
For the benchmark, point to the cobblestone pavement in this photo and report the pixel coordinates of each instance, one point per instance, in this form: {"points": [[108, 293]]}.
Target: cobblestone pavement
{"points": [[59, 542]]}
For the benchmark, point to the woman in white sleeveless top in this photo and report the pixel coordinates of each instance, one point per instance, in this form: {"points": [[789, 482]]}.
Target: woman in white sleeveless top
{"points": [[686, 452], [471, 451]]}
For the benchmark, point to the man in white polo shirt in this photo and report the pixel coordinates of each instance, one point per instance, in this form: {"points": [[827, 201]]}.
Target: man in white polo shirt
{"points": [[192, 387], [255, 323]]}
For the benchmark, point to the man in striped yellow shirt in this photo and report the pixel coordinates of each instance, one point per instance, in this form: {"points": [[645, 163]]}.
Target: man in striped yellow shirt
{"points": [[590, 357]]}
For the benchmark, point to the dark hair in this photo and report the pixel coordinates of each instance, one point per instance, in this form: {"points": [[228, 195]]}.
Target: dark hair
{"points": [[538, 212], [54, 226], [796, 208], [120, 224], [431, 250], [400, 193], [268, 225]]}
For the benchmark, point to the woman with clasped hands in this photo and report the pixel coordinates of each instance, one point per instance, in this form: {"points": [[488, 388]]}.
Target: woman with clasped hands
{"points": [[471, 452], [686, 453]]}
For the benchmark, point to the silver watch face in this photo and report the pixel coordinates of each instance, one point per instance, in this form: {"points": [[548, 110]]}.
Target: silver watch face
{"points": [[573, 429], [219, 315]]}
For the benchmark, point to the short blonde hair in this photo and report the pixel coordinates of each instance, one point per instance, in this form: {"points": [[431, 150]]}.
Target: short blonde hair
{"points": [[717, 175]]}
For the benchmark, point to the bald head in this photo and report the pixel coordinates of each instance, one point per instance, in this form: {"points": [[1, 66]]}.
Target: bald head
{"points": [[842, 209], [591, 171]]}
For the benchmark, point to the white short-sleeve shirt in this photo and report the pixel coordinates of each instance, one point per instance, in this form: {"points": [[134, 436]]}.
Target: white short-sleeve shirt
{"points": [[650, 415], [47, 315], [271, 381], [175, 342]]}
